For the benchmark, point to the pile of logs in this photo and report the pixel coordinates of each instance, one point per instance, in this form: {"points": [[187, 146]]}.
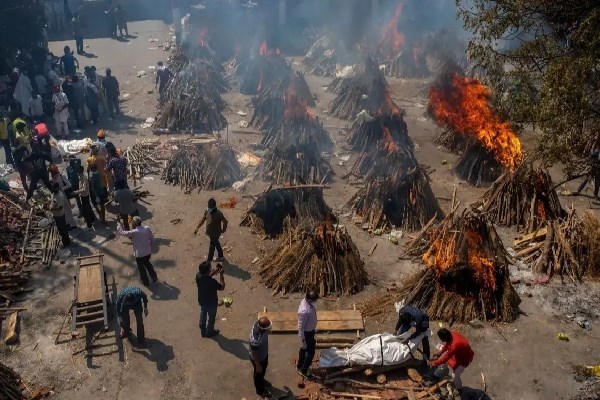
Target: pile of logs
{"points": [[451, 140], [478, 166], [142, 159], [525, 198], [261, 71], [367, 131], [273, 206], [295, 164], [321, 58], [201, 165], [565, 247], [13, 225], [10, 384], [192, 102], [466, 275], [318, 256]]}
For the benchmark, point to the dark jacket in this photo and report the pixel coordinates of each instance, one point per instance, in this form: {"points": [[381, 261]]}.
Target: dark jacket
{"points": [[207, 290], [419, 319]]}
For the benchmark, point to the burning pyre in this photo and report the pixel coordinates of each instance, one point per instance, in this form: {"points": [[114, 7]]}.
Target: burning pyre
{"points": [[461, 105], [525, 198], [203, 165], [313, 255], [192, 101], [261, 69], [273, 206], [466, 275]]}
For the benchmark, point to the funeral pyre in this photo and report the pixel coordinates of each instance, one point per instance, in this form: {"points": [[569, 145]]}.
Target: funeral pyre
{"points": [[365, 90], [465, 277], [295, 147], [314, 255], [272, 207], [567, 247], [397, 191], [270, 104], [321, 58], [258, 70], [10, 384], [202, 164], [192, 101], [525, 198], [461, 106]]}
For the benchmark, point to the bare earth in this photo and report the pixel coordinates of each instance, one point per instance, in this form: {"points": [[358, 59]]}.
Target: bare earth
{"points": [[522, 360]]}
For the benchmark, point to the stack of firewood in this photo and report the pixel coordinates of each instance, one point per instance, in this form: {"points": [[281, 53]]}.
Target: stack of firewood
{"points": [[202, 166], [295, 163], [317, 256], [10, 384], [477, 165], [273, 206], [13, 225], [142, 159], [192, 101], [261, 71], [321, 58]]}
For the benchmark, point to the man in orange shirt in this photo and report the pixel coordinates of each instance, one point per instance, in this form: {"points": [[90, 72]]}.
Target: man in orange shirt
{"points": [[456, 352]]}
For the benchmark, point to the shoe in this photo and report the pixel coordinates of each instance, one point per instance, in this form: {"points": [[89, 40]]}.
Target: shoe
{"points": [[220, 259], [213, 333], [265, 394]]}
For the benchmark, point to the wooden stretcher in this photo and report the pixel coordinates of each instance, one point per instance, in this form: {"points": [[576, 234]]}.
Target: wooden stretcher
{"points": [[90, 305], [334, 320]]}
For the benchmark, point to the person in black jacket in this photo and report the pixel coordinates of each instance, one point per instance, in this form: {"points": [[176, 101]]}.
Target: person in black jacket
{"points": [[207, 297], [38, 159], [410, 316]]}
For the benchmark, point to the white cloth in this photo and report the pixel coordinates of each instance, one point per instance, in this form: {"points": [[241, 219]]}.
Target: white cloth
{"points": [[41, 84], [60, 103], [23, 93], [36, 107], [381, 349]]}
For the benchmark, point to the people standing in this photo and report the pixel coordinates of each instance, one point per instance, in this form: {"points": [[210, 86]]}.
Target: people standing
{"points": [[307, 325], [100, 142], [132, 298], [61, 112], [22, 92], [163, 76], [57, 206], [69, 63], [121, 20], [36, 107], [5, 141], [109, 11], [73, 176], [116, 166], [91, 100], [208, 298], [84, 198], [594, 174], [77, 100], [216, 225], [22, 149], [38, 159], [259, 354], [65, 187], [409, 316], [456, 352], [78, 33], [98, 192], [112, 92], [142, 239], [127, 206]]}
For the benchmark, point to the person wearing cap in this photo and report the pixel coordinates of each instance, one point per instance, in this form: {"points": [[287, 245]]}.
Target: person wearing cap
{"points": [[307, 325], [142, 239], [61, 112], [216, 225], [96, 158], [208, 297], [65, 187], [42, 134], [58, 204], [84, 197], [259, 354], [101, 142]]}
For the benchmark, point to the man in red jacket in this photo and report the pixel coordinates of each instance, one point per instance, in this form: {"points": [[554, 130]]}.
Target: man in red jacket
{"points": [[456, 352]]}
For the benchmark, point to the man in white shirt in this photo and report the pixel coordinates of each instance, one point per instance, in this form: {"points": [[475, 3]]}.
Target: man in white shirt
{"points": [[142, 239], [36, 107], [61, 112], [57, 206]]}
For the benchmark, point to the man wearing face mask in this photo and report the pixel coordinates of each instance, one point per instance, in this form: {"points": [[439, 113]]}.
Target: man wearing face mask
{"points": [[216, 224], [307, 325]]}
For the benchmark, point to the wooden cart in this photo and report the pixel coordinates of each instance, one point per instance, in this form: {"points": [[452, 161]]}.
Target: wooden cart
{"points": [[91, 293]]}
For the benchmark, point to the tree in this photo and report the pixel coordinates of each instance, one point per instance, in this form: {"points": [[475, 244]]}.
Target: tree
{"points": [[541, 58]]}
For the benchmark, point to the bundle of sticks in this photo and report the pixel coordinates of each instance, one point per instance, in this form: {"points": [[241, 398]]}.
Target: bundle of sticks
{"points": [[466, 275], [192, 101], [295, 163], [407, 63], [142, 159], [337, 84], [321, 58], [205, 166], [261, 71], [234, 68], [525, 198], [273, 206], [565, 247], [314, 255], [13, 225], [10, 384], [451, 140], [478, 166]]}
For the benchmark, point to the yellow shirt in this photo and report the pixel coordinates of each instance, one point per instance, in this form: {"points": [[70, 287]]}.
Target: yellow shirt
{"points": [[101, 163], [3, 130], [24, 139]]}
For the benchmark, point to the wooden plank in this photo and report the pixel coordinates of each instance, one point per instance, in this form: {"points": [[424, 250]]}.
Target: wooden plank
{"points": [[90, 284], [539, 234], [292, 326], [12, 334], [90, 322], [338, 315]]}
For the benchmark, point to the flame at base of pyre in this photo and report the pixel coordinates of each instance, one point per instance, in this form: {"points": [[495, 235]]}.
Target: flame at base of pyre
{"points": [[525, 198], [314, 255], [262, 70], [466, 275], [478, 166], [272, 207]]}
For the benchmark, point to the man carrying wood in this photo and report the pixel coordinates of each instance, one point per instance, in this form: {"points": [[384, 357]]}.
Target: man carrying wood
{"points": [[216, 224], [207, 297], [410, 316], [259, 354], [456, 352], [132, 298], [307, 325]]}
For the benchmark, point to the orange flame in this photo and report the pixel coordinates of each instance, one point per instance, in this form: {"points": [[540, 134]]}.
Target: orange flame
{"points": [[295, 107], [262, 50], [389, 143], [466, 109], [541, 210], [202, 37], [391, 35]]}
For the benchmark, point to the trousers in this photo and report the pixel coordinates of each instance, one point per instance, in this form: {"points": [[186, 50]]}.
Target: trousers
{"points": [[125, 322], [36, 176], [208, 314], [595, 178], [62, 127], [305, 356], [259, 377], [79, 43], [424, 342], [146, 268], [63, 231], [214, 244], [86, 210], [112, 102]]}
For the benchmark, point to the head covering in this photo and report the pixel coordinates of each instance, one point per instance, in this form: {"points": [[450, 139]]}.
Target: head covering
{"points": [[53, 169], [137, 221], [100, 134], [41, 130]]}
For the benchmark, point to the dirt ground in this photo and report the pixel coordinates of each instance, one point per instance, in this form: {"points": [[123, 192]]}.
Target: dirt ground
{"points": [[521, 360]]}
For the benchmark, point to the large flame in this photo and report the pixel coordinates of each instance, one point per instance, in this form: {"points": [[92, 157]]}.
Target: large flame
{"points": [[466, 109], [391, 35], [389, 143]]}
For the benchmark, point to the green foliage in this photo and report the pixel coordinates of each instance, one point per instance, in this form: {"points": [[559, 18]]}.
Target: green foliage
{"points": [[542, 60]]}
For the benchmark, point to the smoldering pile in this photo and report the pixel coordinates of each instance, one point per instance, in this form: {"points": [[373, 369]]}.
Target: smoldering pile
{"points": [[321, 58], [262, 70], [192, 101]]}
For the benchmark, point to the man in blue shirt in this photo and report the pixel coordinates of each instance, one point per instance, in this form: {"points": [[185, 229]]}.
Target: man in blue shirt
{"points": [[69, 62], [132, 298], [410, 316]]}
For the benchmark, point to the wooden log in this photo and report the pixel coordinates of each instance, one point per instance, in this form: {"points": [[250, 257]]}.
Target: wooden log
{"points": [[355, 395], [346, 371], [334, 338], [366, 385], [12, 334]]}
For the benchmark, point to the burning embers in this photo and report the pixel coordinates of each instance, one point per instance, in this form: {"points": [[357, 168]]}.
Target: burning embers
{"points": [[466, 274], [262, 69], [462, 106]]}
